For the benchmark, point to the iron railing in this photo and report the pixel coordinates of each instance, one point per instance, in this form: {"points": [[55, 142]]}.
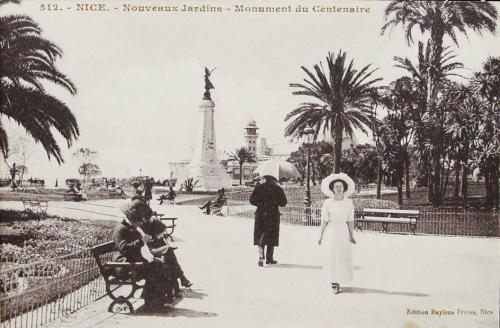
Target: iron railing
{"points": [[438, 221], [32, 295]]}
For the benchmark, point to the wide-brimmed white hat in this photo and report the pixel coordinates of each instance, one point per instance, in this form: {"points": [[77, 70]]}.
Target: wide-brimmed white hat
{"points": [[325, 184]]}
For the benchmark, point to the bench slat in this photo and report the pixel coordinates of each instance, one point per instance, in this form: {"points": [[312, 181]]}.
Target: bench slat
{"points": [[386, 219], [391, 211]]}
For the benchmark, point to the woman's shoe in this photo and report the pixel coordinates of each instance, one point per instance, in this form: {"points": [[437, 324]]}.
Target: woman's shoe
{"points": [[261, 262], [272, 262], [185, 282]]}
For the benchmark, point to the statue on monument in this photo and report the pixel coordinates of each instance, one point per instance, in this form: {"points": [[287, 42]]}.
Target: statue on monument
{"points": [[208, 84]]}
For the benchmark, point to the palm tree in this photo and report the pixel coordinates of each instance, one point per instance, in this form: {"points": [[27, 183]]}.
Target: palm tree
{"points": [[439, 19], [427, 134], [487, 84], [462, 129], [27, 61], [242, 155], [343, 100], [398, 99]]}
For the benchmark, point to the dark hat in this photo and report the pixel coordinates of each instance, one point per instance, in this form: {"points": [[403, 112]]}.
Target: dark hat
{"points": [[137, 210]]}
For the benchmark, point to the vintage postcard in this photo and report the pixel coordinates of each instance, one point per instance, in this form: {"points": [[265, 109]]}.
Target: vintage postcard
{"points": [[309, 163]]}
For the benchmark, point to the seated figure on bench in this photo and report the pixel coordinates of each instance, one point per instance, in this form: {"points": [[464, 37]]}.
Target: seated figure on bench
{"points": [[76, 193], [169, 197], [129, 238], [156, 229], [216, 205]]}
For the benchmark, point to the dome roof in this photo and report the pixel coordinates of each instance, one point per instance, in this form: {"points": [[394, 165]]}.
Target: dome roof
{"points": [[251, 125]]}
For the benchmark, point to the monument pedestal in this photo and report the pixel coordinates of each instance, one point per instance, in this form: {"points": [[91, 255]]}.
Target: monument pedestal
{"points": [[204, 165]]}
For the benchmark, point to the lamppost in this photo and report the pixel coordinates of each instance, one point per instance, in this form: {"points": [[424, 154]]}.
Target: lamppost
{"points": [[308, 133]]}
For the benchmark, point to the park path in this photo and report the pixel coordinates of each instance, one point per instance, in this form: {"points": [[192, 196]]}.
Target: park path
{"points": [[396, 276]]}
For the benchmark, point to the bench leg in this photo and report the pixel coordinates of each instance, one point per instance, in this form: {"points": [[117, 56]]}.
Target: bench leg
{"points": [[413, 227], [385, 226], [359, 226], [119, 309]]}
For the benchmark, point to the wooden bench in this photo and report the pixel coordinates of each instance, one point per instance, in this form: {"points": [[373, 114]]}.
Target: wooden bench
{"points": [[34, 205], [117, 274], [169, 227], [388, 216]]}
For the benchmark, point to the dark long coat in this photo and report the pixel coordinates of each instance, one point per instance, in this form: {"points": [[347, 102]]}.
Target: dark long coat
{"points": [[267, 197], [148, 190], [128, 242]]}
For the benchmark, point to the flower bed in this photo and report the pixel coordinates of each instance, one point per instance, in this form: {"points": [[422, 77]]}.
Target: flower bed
{"points": [[49, 237]]}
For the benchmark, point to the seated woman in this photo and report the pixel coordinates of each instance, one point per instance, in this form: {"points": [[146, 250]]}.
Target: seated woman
{"points": [[217, 203], [170, 196], [156, 229], [129, 238]]}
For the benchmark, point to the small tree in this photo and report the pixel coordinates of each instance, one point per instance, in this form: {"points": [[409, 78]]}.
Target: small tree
{"points": [[242, 155], [18, 154], [89, 170], [87, 156]]}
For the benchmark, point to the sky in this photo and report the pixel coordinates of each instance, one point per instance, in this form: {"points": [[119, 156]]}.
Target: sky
{"points": [[140, 74]]}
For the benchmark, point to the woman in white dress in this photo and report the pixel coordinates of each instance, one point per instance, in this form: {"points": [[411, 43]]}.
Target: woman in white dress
{"points": [[337, 225]]}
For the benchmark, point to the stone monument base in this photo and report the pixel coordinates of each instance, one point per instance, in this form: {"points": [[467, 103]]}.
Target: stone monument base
{"points": [[210, 177]]}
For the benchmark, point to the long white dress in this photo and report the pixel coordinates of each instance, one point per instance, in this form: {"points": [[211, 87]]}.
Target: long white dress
{"points": [[338, 259]]}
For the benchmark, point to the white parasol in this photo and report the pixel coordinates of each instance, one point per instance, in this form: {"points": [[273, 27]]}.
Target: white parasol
{"points": [[278, 169]]}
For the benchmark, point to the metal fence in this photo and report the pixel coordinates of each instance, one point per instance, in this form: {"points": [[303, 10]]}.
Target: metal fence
{"points": [[439, 221], [32, 295]]}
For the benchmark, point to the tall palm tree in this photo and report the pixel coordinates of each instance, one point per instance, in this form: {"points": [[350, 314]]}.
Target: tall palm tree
{"points": [[427, 135], [398, 99], [439, 19], [462, 128], [27, 61], [242, 155], [342, 101], [487, 84]]}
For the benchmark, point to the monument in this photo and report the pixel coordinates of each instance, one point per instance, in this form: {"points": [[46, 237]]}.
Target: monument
{"points": [[204, 165]]}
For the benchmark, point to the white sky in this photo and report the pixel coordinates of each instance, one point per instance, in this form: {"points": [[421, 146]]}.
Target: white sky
{"points": [[140, 75]]}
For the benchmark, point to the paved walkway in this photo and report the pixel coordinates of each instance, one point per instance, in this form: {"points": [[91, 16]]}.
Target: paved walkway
{"points": [[399, 279]]}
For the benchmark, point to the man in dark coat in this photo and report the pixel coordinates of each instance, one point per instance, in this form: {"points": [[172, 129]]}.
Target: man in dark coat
{"points": [[128, 242], [267, 197], [148, 189]]}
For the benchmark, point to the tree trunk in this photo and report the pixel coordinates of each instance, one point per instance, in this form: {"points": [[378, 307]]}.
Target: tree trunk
{"points": [[400, 185], [379, 177], [407, 173], [464, 182], [241, 172], [13, 172], [456, 192], [313, 174], [337, 146], [436, 42], [436, 179], [430, 194], [445, 184]]}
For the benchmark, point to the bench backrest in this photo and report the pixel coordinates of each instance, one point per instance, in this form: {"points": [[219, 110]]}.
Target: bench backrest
{"points": [[393, 213], [101, 249]]}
